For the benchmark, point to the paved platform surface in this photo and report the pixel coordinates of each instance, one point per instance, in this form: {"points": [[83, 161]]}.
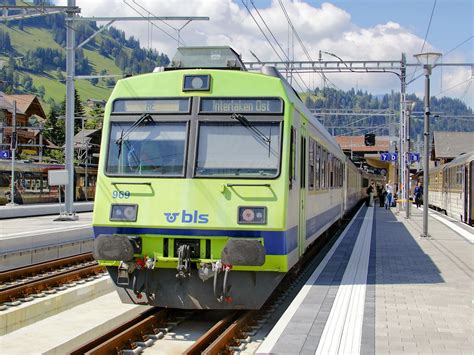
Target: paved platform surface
{"points": [[29, 240], [63, 332], [19, 211], [382, 289]]}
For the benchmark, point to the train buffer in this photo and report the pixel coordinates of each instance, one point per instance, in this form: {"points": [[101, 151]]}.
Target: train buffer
{"points": [[393, 292]]}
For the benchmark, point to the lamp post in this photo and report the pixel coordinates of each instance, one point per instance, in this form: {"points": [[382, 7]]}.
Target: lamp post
{"points": [[409, 106], [428, 60]]}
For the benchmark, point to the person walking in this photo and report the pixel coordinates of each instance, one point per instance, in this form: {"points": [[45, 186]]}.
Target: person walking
{"points": [[388, 197], [418, 195]]}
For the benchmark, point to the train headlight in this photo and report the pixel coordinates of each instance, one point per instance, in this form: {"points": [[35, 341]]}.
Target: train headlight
{"points": [[196, 83], [252, 215], [124, 213]]}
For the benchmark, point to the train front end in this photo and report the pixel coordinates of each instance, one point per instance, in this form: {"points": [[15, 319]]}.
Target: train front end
{"points": [[190, 206]]}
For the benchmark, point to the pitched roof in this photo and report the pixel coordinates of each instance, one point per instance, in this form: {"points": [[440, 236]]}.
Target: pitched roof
{"points": [[22, 101], [356, 143], [452, 144]]}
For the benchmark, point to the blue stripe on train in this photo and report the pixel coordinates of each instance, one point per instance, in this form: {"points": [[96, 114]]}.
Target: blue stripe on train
{"points": [[276, 243], [314, 224]]}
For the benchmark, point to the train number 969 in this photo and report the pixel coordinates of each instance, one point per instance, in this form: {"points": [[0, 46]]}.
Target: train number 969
{"points": [[121, 194]]}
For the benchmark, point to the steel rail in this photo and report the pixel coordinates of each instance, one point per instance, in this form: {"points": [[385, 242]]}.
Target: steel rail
{"points": [[234, 331], [210, 336], [128, 334], [22, 272], [13, 292]]}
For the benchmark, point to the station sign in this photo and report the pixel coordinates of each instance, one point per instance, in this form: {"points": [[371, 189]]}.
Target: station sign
{"points": [[414, 157], [388, 156], [5, 154]]}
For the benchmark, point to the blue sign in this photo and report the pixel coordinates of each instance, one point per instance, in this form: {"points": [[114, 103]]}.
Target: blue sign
{"points": [[414, 157], [5, 154], [388, 156]]}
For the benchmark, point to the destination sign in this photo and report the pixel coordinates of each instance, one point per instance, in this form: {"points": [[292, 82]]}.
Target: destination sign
{"points": [[151, 106], [261, 106]]}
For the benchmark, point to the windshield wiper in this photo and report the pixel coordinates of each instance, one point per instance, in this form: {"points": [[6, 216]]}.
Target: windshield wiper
{"points": [[144, 120], [247, 124]]}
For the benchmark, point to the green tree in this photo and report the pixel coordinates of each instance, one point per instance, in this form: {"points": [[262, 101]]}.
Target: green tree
{"points": [[54, 129], [96, 116]]}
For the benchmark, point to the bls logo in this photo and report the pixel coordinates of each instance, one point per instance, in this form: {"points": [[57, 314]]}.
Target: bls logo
{"points": [[194, 217]]}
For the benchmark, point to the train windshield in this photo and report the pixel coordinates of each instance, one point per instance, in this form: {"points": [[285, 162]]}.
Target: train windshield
{"points": [[154, 149], [236, 149]]}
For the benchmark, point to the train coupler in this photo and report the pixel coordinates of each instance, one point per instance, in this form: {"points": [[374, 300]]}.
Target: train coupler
{"points": [[122, 275], [184, 262]]}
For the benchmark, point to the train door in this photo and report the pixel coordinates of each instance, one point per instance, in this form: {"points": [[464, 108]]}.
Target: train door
{"points": [[302, 200], [468, 191]]}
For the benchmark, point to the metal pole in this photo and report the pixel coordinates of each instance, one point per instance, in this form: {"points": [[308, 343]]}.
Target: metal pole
{"points": [[426, 133], [69, 151], [407, 161], [401, 153], [41, 142], [13, 148]]}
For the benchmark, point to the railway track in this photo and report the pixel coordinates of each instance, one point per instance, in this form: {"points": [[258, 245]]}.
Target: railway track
{"points": [[36, 280], [230, 333]]}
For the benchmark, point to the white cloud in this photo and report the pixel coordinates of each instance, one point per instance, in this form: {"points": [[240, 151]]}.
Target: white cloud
{"points": [[326, 28]]}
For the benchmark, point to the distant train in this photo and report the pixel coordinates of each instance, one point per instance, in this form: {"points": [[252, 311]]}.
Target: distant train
{"points": [[213, 182], [31, 183], [451, 188]]}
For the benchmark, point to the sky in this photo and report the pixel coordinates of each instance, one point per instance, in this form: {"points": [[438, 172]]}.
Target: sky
{"points": [[351, 29]]}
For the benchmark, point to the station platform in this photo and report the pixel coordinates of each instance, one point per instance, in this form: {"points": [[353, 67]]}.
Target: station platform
{"points": [[30, 210], [29, 240], [383, 289]]}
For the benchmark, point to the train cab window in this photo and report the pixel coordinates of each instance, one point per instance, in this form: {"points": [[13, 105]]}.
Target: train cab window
{"points": [[156, 149], [233, 149]]}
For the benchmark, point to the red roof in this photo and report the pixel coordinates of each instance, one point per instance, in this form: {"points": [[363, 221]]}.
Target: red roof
{"points": [[356, 144]]}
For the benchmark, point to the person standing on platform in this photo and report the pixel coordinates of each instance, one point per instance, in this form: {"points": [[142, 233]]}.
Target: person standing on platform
{"points": [[372, 194], [382, 195], [388, 197], [418, 195], [369, 195]]}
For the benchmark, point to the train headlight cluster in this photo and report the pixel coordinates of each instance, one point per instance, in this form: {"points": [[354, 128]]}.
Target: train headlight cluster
{"points": [[252, 215], [196, 83], [124, 213]]}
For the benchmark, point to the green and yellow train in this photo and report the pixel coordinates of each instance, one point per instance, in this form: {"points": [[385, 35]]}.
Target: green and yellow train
{"points": [[212, 183]]}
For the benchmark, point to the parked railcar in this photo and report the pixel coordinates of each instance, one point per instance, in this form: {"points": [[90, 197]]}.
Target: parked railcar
{"points": [[31, 183], [212, 184], [451, 187]]}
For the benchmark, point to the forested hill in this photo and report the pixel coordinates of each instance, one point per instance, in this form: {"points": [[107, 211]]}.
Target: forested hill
{"points": [[33, 58], [452, 112]]}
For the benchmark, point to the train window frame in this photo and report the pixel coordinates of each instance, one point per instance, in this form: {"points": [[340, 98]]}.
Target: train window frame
{"points": [[226, 119], [130, 113], [187, 123]]}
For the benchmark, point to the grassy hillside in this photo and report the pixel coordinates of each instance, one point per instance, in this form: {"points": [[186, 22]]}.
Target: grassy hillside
{"points": [[30, 38]]}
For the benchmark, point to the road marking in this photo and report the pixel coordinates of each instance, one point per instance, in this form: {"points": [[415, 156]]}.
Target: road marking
{"points": [[462, 232], [342, 333], [279, 328]]}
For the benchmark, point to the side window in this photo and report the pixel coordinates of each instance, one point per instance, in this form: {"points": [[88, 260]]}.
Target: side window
{"points": [[323, 168], [317, 172], [303, 163], [292, 165], [311, 170]]}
